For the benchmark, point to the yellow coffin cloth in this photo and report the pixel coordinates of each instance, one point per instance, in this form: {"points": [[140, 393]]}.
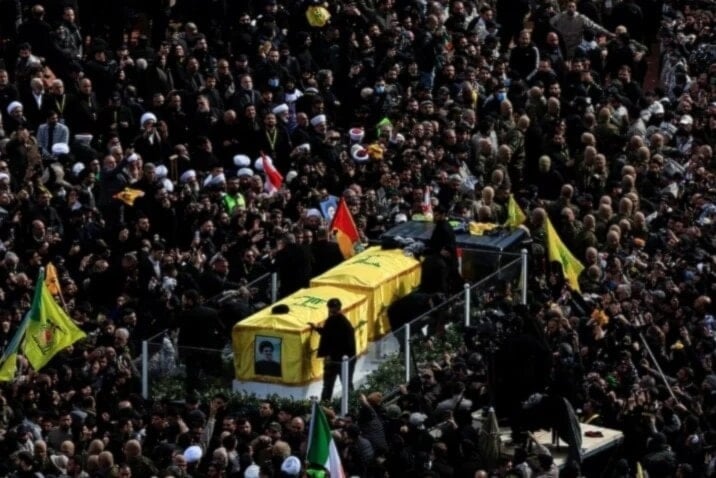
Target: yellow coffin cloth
{"points": [[383, 276], [294, 344]]}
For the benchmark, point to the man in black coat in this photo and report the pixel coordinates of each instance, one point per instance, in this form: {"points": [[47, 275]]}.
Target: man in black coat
{"points": [[215, 280], [443, 243], [199, 328], [524, 58], [629, 14], [292, 264], [37, 32], [337, 340], [326, 254], [522, 364], [427, 50], [82, 110]]}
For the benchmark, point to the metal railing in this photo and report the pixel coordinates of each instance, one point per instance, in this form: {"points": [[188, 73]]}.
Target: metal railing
{"points": [[168, 368], [164, 361], [263, 290], [406, 345]]}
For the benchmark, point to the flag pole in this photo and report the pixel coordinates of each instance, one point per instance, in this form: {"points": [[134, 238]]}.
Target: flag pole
{"points": [[62, 298], [314, 405], [20, 332]]}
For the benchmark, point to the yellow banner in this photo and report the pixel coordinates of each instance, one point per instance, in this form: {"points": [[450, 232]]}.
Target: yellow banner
{"points": [[558, 252], [383, 276], [281, 348]]}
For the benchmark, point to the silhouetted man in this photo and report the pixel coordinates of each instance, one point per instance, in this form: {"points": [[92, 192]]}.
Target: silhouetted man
{"points": [[337, 340]]}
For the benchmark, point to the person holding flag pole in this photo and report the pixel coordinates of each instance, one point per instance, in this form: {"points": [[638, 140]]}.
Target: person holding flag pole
{"points": [[45, 331], [345, 230], [274, 179], [427, 205], [322, 457], [558, 252]]}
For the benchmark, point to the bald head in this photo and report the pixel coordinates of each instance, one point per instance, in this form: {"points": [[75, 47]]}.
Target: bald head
{"points": [[589, 222], [132, 448], [523, 123]]}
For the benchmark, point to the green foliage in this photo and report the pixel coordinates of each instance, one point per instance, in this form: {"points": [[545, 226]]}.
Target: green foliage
{"points": [[385, 379]]}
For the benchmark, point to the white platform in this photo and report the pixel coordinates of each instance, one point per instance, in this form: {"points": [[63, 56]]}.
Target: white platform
{"points": [[590, 445], [367, 363]]}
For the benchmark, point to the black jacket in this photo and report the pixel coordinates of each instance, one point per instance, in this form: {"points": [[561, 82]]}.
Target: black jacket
{"points": [[443, 237], [200, 327], [294, 269], [523, 60], [326, 255], [212, 284], [337, 338]]}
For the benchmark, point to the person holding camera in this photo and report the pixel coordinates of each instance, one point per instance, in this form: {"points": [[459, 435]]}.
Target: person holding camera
{"points": [[337, 340]]}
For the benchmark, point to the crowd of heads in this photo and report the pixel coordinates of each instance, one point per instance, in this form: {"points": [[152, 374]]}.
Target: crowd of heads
{"points": [[138, 152]]}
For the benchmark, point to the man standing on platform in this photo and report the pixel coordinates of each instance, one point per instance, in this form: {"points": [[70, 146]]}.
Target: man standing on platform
{"points": [[443, 244], [199, 330], [337, 339]]}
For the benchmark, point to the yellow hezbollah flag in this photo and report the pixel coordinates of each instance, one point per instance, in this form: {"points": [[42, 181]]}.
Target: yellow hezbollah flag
{"points": [[317, 16], [8, 361], [345, 229], [50, 330], [129, 195], [515, 216], [480, 228], [558, 252], [52, 281]]}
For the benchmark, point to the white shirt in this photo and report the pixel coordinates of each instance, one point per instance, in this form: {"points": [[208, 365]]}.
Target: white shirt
{"points": [[38, 99]]}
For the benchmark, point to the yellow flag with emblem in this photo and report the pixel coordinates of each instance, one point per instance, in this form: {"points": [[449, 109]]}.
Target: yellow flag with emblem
{"points": [[129, 195], [558, 252], [50, 330], [317, 16], [515, 216], [480, 228]]}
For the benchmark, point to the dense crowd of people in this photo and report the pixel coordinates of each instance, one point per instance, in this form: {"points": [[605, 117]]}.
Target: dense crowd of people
{"points": [[136, 148]]}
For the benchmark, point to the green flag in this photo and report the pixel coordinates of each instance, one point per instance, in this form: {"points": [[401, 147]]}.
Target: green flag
{"points": [[322, 451], [8, 361], [50, 329]]}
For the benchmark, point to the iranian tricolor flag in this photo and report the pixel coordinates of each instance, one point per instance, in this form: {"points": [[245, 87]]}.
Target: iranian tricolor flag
{"points": [[322, 453]]}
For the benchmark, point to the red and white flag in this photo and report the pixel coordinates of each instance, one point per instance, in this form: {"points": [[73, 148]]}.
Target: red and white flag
{"points": [[274, 180], [427, 205]]}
